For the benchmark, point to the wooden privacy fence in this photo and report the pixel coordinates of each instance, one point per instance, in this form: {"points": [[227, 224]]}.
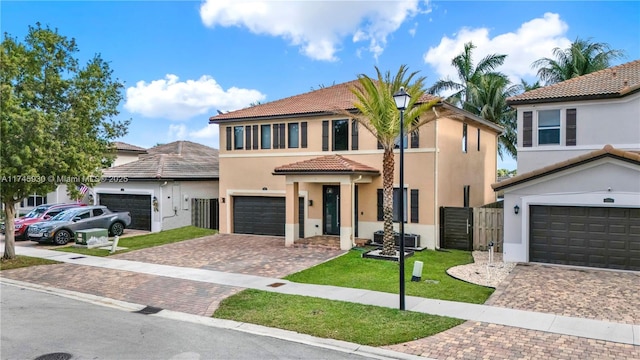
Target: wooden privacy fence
{"points": [[205, 213], [488, 227]]}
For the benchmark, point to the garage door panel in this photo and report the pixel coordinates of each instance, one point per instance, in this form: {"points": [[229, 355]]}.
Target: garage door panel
{"points": [[139, 206], [585, 236], [261, 215]]}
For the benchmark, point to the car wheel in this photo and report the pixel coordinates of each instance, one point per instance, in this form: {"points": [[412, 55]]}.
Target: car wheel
{"points": [[62, 237], [116, 229]]}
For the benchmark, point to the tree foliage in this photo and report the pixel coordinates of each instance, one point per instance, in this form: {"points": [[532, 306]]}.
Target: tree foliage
{"points": [[377, 112], [580, 58], [57, 118]]}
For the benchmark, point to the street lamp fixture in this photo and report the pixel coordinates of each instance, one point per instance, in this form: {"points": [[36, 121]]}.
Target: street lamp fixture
{"points": [[402, 100]]}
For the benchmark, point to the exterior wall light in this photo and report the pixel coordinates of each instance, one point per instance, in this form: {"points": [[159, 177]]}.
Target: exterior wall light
{"points": [[516, 209]]}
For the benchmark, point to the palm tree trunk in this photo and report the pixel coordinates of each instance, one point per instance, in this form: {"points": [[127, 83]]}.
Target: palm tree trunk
{"points": [[388, 243], [9, 230]]}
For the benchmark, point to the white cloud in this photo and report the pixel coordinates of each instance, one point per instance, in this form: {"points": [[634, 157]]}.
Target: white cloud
{"points": [[208, 132], [533, 40], [317, 27], [180, 100], [177, 132]]}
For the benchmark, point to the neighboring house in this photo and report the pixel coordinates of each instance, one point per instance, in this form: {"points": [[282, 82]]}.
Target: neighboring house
{"points": [[124, 153], [295, 168], [576, 198], [158, 188]]}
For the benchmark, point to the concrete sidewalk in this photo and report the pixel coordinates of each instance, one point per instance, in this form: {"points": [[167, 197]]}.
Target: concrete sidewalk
{"points": [[587, 328]]}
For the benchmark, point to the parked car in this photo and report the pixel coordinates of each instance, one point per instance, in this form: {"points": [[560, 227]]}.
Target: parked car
{"points": [[62, 228], [38, 214]]}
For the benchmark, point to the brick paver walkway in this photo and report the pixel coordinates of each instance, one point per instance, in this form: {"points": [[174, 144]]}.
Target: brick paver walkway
{"points": [[577, 292], [240, 254], [476, 341]]}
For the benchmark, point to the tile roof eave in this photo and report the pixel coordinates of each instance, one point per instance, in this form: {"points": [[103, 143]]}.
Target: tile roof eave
{"points": [[627, 92], [213, 120], [325, 172], [536, 174]]}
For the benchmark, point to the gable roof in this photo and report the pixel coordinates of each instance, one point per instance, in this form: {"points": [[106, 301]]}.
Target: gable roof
{"points": [[124, 147], [329, 164], [183, 160], [608, 151], [614, 82]]}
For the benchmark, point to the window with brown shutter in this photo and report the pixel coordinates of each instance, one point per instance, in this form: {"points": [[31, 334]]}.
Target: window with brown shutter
{"points": [[276, 136], [414, 205], [256, 137], [247, 134], [282, 136], [415, 139], [571, 127], [354, 134], [303, 134], [527, 129], [228, 137], [325, 135]]}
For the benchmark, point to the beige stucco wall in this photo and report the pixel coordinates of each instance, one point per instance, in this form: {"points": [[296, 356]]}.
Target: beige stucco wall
{"points": [[248, 172]]}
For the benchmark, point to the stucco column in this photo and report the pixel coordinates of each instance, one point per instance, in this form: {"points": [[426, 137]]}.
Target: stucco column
{"points": [[292, 227], [346, 214]]}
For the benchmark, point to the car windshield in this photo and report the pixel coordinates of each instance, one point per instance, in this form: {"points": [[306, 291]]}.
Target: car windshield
{"points": [[36, 213], [66, 215]]}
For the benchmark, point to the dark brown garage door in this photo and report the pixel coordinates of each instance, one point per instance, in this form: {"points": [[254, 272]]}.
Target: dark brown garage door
{"points": [[585, 236], [139, 206], [262, 215]]}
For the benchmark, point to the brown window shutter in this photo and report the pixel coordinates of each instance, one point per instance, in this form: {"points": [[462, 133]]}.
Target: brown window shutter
{"points": [[247, 135], [527, 129], [571, 127], [325, 135], [478, 139], [228, 137], [256, 136], [303, 134], [276, 136], [415, 139], [282, 136], [354, 134], [380, 207], [414, 205]]}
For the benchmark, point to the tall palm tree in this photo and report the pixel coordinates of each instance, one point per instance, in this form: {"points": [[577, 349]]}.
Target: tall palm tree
{"points": [[468, 75], [580, 58], [377, 112], [487, 99]]}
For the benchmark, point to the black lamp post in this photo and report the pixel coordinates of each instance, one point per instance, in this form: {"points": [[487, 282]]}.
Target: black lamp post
{"points": [[402, 100]]}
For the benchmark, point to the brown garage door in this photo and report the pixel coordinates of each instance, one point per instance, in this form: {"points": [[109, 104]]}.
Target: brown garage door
{"points": [[585, 236], [139, 206], [262, 215]]}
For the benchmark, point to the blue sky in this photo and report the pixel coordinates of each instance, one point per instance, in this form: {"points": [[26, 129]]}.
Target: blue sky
{"points": [[181, 61]]}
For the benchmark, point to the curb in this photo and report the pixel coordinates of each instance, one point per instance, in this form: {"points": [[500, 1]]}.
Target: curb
{"points": [[287, 335]]}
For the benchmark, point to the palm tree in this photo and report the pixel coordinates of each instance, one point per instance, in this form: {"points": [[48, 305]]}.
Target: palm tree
{"points": [[487, 99], [377, 112], [580, 58], [468, 75]]}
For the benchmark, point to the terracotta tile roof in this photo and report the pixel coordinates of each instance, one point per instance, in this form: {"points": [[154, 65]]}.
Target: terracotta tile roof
{"points": [[613, 82], [607, 151], [122, 146], [177, 160], [329, 164], [322, 101]]}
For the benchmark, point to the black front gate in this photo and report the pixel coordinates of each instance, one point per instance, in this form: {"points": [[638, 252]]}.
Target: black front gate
{"points": [[456, 228]]}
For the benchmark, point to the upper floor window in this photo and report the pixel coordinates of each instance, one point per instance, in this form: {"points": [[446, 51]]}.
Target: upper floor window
{"points": [[464, 138], [265, 133], [238, 137], [549, 127], [294, 135], [340, 135], [396, 142]]}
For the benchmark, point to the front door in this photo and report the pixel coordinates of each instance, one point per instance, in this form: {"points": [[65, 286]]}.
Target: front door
{"points": [[331, 218]]}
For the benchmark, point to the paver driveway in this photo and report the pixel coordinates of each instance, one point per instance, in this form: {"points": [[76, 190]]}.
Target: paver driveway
{"points": [[578, 292], [246, 254]]}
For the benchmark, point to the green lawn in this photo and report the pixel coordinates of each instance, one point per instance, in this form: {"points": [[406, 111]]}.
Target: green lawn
{"points": [[353, 271], [148, 240], [362, 324], [24, 261]]}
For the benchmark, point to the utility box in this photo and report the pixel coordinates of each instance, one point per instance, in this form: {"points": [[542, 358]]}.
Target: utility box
{"points": [[92, 236]]}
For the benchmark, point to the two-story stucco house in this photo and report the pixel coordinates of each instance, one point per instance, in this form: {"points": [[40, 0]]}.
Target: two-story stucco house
{"points": [[576, 200], [295, 168]]}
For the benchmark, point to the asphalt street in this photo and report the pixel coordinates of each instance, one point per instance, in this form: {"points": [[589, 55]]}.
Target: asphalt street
{"points": [[34, 324]]}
